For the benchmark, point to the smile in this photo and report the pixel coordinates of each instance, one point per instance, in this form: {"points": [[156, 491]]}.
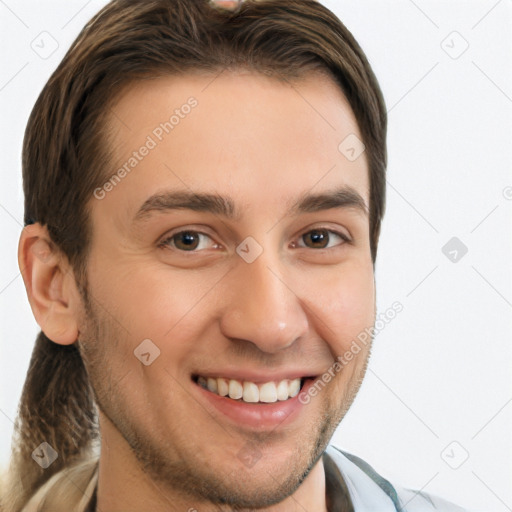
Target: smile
{"points": [[250, 392]]}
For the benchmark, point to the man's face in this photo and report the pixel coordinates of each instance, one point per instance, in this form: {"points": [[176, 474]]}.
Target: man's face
{"points": [[266, 284]]}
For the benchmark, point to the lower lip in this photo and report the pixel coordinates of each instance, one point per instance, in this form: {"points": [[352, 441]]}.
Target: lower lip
{"points": [[259, 416]]}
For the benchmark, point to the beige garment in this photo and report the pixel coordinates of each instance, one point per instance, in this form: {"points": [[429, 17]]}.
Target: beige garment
{"points": [[71, 489]]}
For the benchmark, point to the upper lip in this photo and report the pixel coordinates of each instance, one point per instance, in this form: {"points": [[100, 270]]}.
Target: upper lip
{"points": [[256, 376]]}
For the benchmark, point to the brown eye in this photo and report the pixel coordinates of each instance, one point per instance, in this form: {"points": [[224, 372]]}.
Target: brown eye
{"points": [[317, 239], [186, 240], [322, 239], [189, 241]]}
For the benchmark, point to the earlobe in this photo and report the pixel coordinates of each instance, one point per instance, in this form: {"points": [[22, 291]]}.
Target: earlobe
{"points": [[50, 285]]}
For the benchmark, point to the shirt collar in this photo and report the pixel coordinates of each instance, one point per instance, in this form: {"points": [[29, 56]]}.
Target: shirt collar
{"points": [[337, 496]]}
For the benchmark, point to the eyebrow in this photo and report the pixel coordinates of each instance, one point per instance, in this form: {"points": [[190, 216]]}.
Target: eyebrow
{"points": [[344, 197]]}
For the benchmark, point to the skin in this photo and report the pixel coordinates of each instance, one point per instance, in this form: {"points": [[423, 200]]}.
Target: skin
{"points": [[264, 144]]}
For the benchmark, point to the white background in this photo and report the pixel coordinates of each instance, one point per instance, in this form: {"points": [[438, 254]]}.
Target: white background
{"points": [[439, 384]]}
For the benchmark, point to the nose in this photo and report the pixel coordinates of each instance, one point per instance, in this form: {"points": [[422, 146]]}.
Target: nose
{"points": [[263, 308]]}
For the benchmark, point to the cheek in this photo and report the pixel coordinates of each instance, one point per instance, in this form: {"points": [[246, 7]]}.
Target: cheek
{"points": [[344, 306], [148, 300], [171, 309]]}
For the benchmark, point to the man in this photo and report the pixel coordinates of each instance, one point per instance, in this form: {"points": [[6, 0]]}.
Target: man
{"points": [[204, 188]]}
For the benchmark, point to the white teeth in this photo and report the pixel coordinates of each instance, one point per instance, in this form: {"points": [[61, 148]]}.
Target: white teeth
{"points": [[282, 390], [235, 389], [268, 392], [249, 392], [294, 387], [222, 387], [212, 385]]}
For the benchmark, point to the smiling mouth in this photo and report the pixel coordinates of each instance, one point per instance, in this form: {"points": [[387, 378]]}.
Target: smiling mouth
{"points": [[250, 392]]}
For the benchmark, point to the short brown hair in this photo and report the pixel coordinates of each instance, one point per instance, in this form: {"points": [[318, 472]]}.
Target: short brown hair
{"points": [[66, 156]]}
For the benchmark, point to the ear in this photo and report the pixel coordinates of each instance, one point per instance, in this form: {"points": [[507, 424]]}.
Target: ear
{"points": [[50, 284]]}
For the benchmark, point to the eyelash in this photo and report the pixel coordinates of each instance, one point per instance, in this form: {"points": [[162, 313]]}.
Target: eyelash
{"points": [[166, 243]]}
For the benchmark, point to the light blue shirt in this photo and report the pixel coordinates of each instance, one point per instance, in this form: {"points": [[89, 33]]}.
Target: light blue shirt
{"points": [[370, 492]]}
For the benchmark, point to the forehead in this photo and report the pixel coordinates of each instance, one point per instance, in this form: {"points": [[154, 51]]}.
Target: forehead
{"points": [[237, 133]]}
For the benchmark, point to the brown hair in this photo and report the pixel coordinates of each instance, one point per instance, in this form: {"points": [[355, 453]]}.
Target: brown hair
{"points": [[66, 156]]}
